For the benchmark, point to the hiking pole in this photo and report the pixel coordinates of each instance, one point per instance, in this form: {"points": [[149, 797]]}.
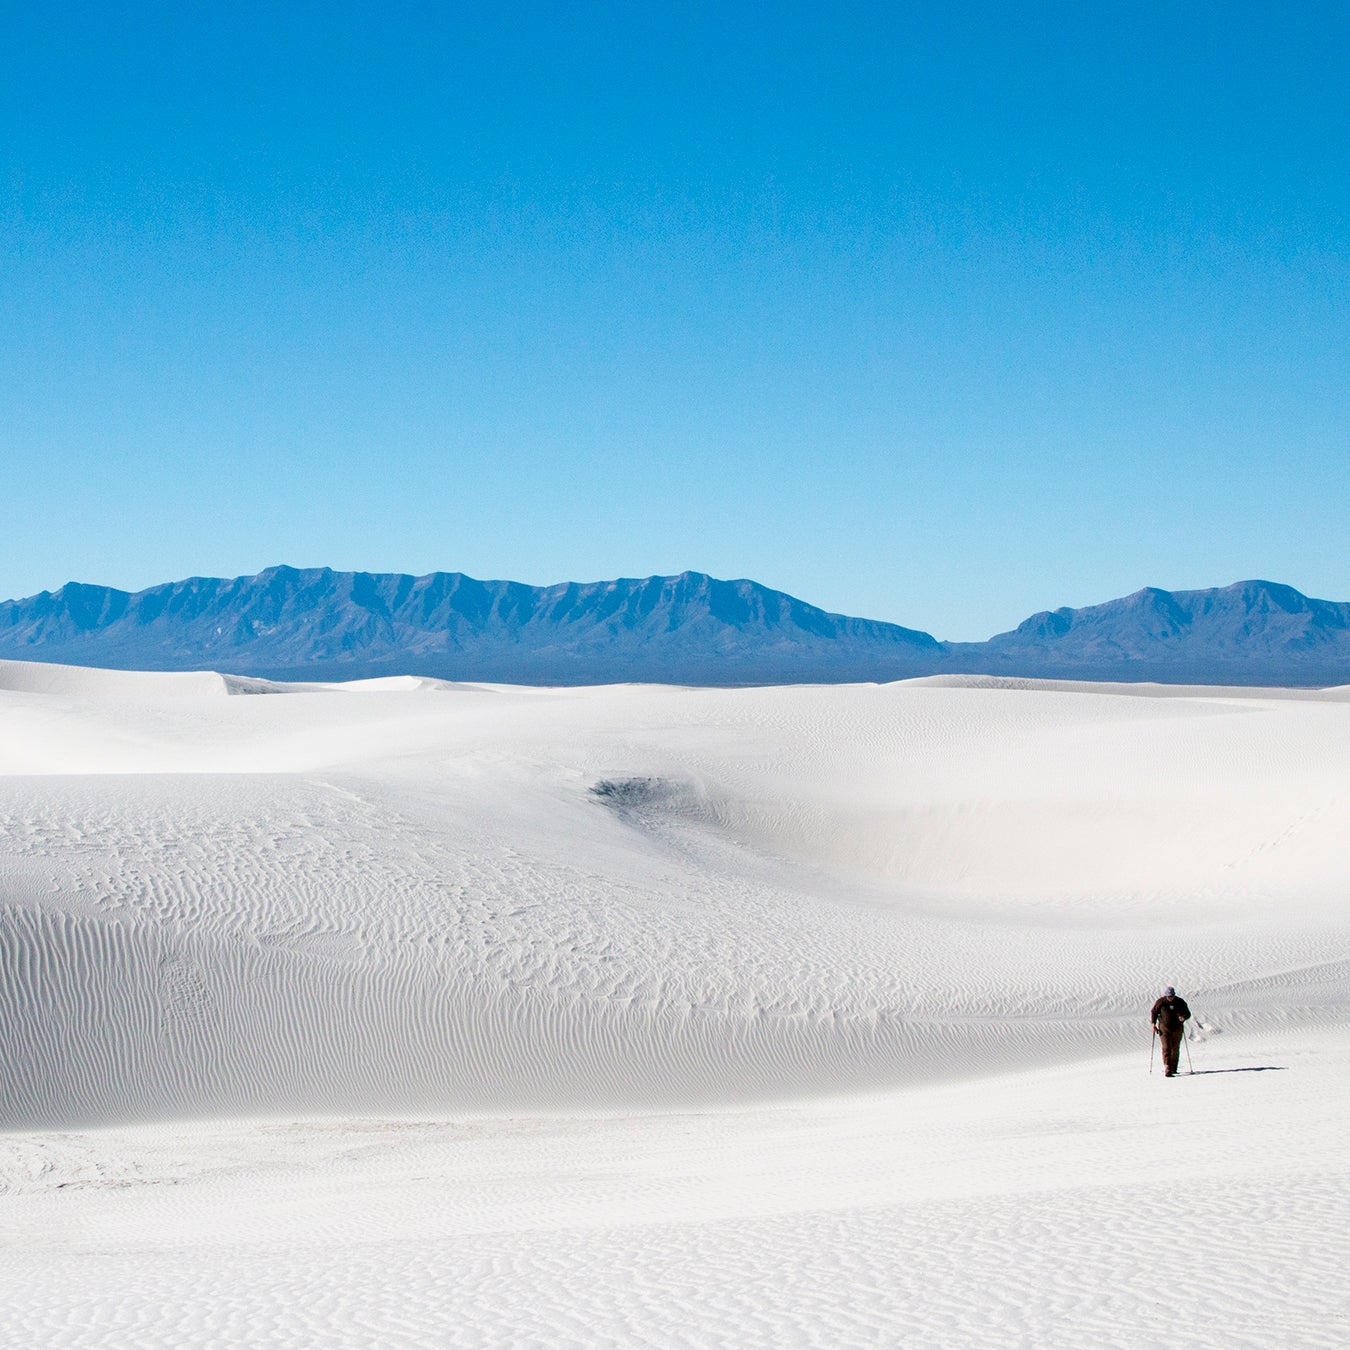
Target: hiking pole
{"points": [[1152, 1041], [1186, 1041]]}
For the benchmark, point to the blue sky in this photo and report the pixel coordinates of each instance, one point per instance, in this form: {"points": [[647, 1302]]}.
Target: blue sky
{"points": [[939, 314]]}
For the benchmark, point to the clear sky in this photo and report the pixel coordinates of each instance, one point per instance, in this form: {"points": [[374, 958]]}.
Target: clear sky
{"points": [[936, 313]]}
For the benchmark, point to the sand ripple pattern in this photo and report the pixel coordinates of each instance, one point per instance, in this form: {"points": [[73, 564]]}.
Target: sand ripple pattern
{"points": [[432, 1016], [516, 899], [1128, 1268]]}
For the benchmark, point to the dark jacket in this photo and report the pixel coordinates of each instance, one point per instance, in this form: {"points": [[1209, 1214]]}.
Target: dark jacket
{"points": [[1169, 1013]]}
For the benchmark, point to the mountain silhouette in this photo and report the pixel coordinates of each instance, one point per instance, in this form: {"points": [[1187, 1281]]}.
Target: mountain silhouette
{"points": [[319, 624], [1253, 632]]}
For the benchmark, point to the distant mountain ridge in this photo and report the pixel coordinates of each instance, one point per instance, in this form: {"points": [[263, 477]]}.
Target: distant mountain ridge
{"points": [[290, 623], [322, 624], [1253, 632]]}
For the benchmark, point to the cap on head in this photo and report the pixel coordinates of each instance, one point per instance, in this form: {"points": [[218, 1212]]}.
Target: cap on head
{"points": [[1169, 992]]}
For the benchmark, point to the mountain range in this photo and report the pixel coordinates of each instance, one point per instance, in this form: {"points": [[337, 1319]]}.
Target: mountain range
{"points": [[318, 624]]}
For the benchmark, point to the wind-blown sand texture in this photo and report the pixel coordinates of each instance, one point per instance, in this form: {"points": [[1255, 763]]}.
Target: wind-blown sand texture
{"points": [[403, 1014]]}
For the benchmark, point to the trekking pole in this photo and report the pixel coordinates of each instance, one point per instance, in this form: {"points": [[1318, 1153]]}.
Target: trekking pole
{"points": [[1186, 1041], [1152, 1041]]}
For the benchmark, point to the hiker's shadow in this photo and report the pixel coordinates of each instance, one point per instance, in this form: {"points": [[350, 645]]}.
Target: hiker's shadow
{"points": [[1250, 1068]]}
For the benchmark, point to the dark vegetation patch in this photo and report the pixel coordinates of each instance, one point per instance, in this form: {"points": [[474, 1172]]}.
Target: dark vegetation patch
{"points": [[634, 794]]}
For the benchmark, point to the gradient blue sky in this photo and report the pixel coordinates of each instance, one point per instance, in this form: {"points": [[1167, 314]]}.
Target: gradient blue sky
{"points": [[937, 313]]}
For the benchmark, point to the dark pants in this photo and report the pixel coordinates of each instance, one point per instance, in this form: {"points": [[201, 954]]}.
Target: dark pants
{"points": [[1171, 1048]]}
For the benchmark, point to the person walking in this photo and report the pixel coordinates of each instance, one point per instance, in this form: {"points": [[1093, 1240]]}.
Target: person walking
{"points": [[1170, 1015]]}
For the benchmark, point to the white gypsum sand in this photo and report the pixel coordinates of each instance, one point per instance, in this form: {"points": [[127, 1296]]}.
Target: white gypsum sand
{"points": [[404, 1013]]}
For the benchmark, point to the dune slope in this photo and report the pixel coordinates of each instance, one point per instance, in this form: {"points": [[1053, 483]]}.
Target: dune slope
{"points": [[437, 898]]}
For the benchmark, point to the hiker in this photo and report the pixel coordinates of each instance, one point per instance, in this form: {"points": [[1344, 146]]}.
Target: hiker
{"points": [[1169, 1018]]}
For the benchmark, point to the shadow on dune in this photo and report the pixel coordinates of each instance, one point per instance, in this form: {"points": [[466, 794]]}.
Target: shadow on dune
{"points": [[1251, 1068]]}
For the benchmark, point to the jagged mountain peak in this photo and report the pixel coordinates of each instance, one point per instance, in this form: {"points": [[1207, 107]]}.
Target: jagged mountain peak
{"points": [[1245, 631], [319, 622], [690, 627]]}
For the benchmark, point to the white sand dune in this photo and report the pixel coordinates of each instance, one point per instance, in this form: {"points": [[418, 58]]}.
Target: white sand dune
{"points": [[624, 1009]]}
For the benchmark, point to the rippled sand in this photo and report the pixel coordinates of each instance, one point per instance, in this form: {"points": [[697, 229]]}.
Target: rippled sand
{"points": [[415, 1014]]}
